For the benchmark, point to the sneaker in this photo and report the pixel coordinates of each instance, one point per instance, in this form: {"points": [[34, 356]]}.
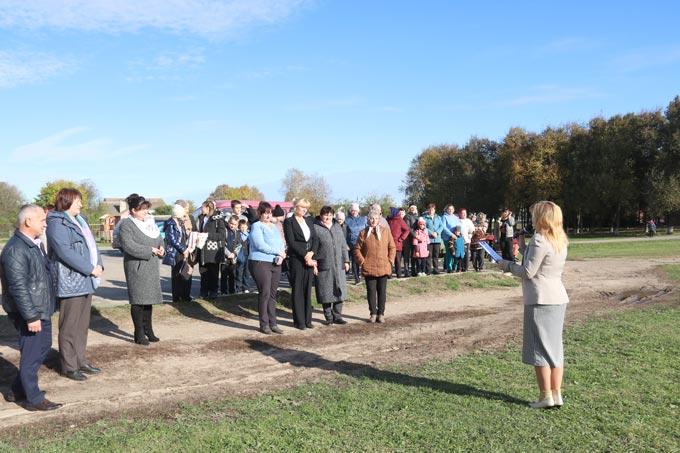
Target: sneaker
{"points": [[557, 398], [372, 318], [276, 329], [266, 330], [543, 404], [245, 291]]}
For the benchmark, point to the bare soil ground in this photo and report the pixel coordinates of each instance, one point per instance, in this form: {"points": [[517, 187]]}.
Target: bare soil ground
{"points": [[220, 353]]}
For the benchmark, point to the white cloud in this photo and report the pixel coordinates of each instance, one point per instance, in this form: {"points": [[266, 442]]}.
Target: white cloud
{"points": [[167, 66], [211, 18], [20, 68], [60, 147], [647, 57], [550, 94]]}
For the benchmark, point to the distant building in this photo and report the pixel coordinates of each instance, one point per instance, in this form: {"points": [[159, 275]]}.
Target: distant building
{"points": [[116, 209]]}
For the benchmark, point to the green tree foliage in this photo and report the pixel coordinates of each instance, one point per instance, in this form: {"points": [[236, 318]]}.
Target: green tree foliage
{"points": [[244, 192], [48, 193], [11, 200], [606, 172], [163, 210], [296, 184]]}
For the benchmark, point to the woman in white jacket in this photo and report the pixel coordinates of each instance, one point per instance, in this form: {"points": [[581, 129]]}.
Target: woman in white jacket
{"points": [[545, 300]]}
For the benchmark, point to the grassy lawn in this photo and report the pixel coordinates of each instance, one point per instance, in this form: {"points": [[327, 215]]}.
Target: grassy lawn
{"points": [[633, 249], [620, 392]]}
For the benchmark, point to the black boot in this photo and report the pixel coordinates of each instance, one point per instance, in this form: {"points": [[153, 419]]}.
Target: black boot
{"points": [[137, 312], [148, 327], [328, 314]]}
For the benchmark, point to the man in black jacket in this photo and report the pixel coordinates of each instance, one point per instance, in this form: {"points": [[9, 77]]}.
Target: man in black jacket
{"points": [[28, 298]]}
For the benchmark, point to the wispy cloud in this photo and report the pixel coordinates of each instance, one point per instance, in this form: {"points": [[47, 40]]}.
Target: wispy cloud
{"points": [[20, 68], [344, 102], [209, 18], [165, 66], [568, 44], [540, 94], [60, 147], [550, 94], [647, 57]]}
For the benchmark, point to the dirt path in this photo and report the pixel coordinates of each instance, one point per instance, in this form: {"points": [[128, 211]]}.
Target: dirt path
{"points": [[199, 359]]}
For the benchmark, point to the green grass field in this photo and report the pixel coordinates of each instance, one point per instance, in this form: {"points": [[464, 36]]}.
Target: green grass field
{"points": [[620, 393], [633, 249]]}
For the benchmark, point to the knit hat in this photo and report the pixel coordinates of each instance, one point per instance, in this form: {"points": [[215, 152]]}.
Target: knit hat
{"points": [[278, 211]]}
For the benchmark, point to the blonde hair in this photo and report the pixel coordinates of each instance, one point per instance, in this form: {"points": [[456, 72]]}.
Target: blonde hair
{"points": [[302, 202], [547, 219]]}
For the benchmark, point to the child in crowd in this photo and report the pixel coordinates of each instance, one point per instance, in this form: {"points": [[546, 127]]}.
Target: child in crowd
{"points": [[228, 279], [457, 244], [241, 252], [475, 249], [421, 239]]}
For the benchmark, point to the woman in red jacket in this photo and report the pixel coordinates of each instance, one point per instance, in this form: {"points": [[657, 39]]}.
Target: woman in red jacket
{"points": [[400, 232]]}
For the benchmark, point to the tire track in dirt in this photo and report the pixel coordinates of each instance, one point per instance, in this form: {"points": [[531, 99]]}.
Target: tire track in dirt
{"points": [[199, 361]]}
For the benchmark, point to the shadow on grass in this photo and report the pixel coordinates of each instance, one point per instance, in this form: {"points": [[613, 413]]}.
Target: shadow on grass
{"points": [[99, 323], [306, 359]]}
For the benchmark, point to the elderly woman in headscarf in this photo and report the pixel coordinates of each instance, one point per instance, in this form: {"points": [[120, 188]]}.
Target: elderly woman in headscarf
{"points": [[332, 263], [374, 252], [177, 252]]}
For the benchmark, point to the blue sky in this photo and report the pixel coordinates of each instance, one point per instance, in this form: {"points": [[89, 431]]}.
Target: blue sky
{"points": [[172, 98]]}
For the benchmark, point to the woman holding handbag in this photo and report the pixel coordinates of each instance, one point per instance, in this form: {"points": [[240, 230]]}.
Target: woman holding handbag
{"points": [[177, 252], [211, 221]]}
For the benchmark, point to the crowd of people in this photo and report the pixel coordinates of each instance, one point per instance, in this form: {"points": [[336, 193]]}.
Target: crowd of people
{"points": [[60, 262]]}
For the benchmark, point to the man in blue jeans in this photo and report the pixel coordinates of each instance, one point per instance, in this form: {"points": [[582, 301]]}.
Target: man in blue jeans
{"points": [[29, 300]]}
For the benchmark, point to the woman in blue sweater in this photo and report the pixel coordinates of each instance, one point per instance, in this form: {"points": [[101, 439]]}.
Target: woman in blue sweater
{"points": [[267, 252]]}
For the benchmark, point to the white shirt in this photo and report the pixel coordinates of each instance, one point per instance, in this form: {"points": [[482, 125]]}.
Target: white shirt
{"points": [[466, 229]]}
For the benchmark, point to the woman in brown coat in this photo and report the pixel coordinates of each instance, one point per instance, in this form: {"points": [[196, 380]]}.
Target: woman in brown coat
{"points": [[374, 252]]}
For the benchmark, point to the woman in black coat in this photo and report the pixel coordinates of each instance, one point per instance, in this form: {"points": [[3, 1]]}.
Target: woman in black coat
{"points": [[211, 221], [301, 241]]}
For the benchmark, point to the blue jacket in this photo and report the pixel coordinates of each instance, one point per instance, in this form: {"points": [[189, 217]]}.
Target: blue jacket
{"points": [[459, 247], [265, 242], [71, 255], [175, 242], [354, 227], [450, 221], [434, 224]]}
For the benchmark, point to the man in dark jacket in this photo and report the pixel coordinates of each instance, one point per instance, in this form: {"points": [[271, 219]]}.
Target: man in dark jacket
{"points": [[28, 298]]}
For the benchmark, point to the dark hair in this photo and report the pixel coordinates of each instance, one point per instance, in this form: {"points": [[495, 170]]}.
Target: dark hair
{"points": [[401, 209], [242, 222], [447, 206], [234, 203], [137, 202], [431, 205], [326, 210], [66, 197], [233, 218], [263, 208]]}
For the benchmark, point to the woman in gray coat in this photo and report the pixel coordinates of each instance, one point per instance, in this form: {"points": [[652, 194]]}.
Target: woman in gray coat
{"points": [[142, 246], [545, 301], [332, 261]]}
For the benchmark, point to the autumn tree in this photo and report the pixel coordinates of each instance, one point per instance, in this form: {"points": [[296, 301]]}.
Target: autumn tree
{"points": [[48, 192], [11, 200], [296, 184], [244, 192]]}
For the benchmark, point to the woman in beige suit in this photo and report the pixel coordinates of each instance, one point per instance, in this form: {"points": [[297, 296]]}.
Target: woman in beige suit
{"points": [[374, 252], [545, 301]]}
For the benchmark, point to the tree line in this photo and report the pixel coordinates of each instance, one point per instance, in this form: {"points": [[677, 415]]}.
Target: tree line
{"points": [[612, 172]]}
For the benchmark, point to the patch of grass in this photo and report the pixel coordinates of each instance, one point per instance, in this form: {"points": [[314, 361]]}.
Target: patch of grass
{"points": [[672, 271], [632, 249], [620, 395]]}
